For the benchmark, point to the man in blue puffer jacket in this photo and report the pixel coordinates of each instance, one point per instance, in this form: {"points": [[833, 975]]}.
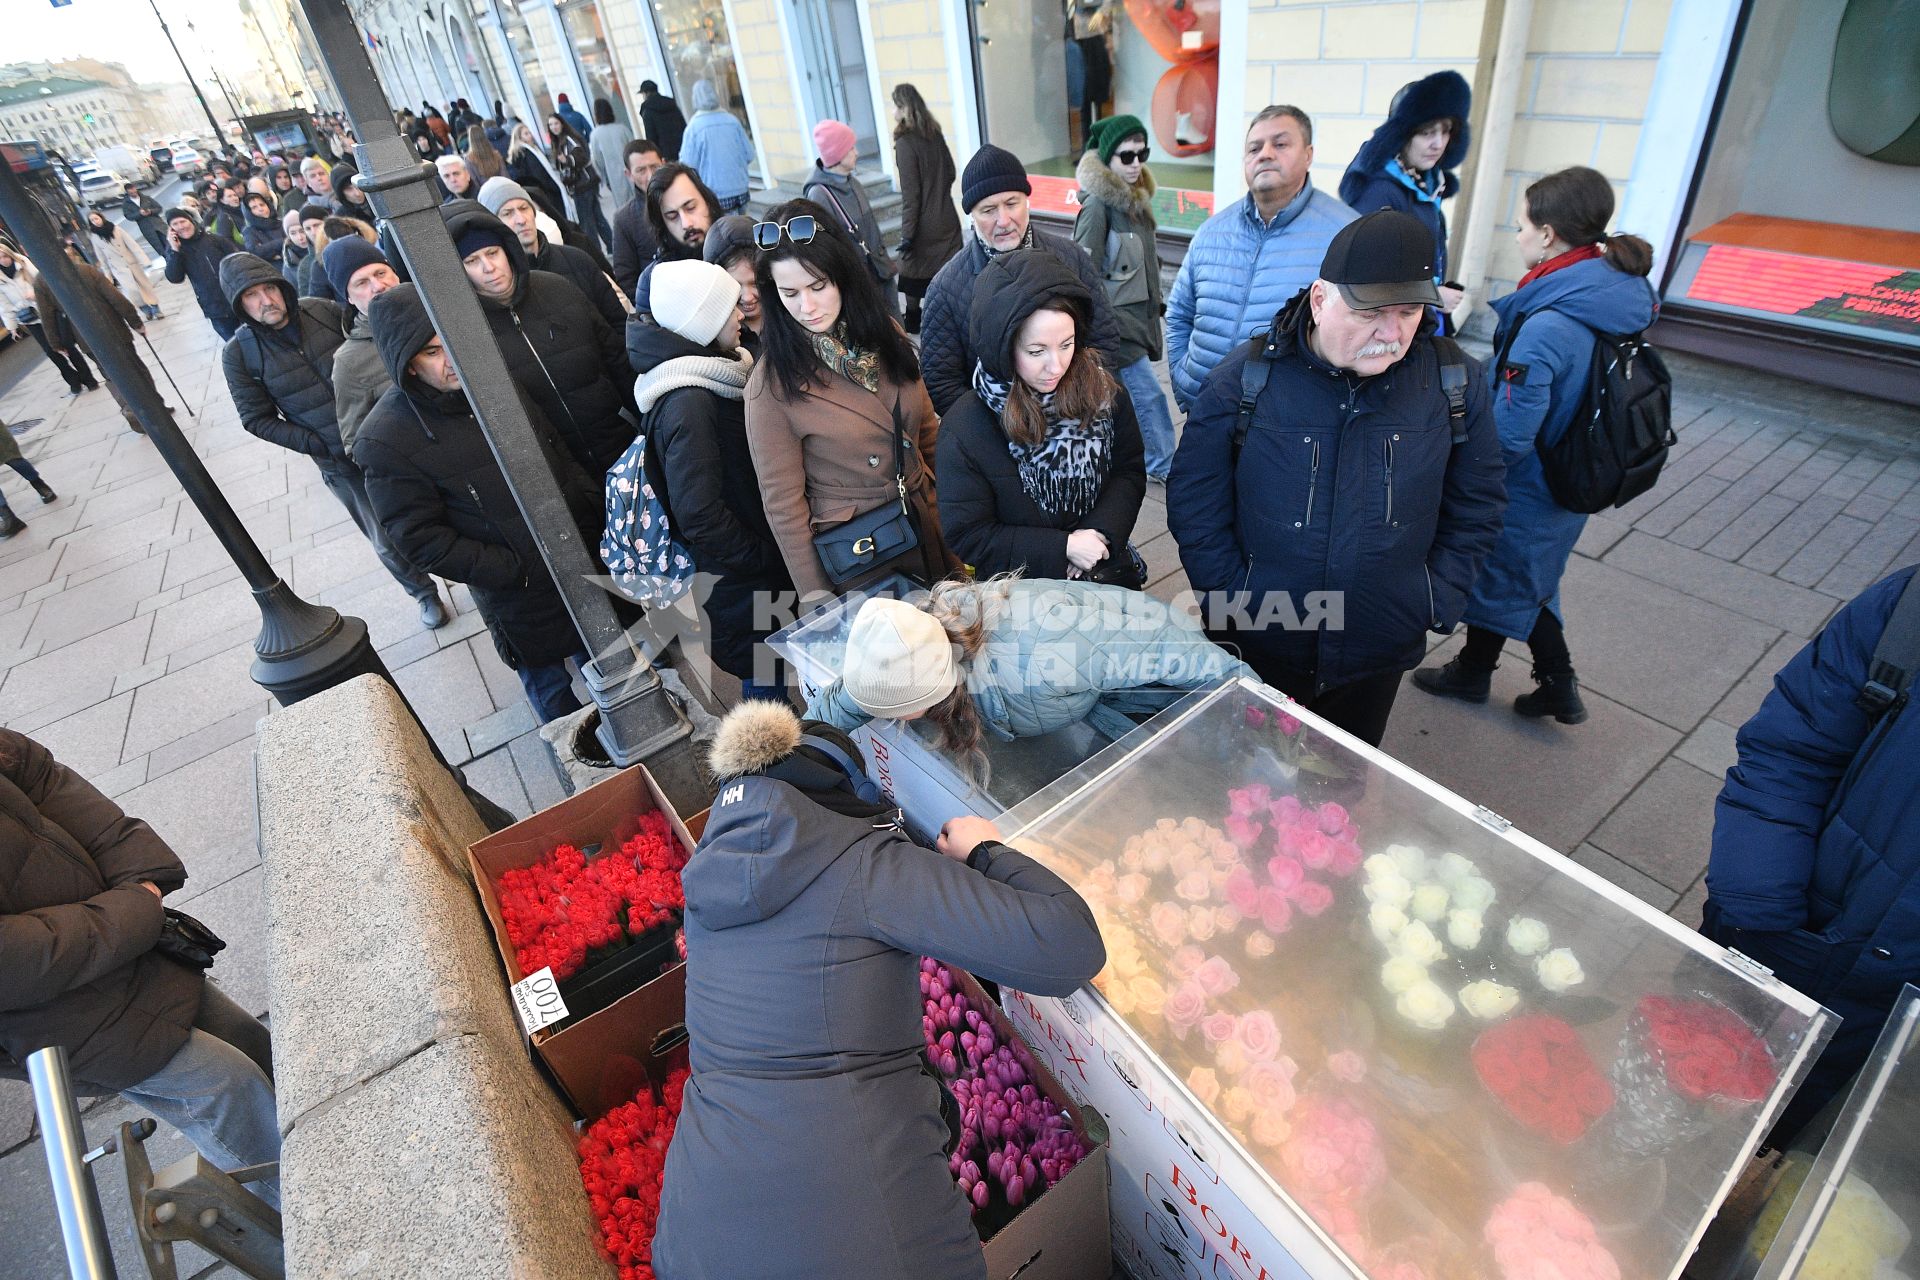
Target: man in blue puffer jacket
{"points": [[1816, 841], [1249, 258], [1356, 514]]}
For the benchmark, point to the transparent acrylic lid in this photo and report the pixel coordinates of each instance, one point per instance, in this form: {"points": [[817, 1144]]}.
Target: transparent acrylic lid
{"points": [[1858, 1199], [1016, 768], [1456, 1053]]}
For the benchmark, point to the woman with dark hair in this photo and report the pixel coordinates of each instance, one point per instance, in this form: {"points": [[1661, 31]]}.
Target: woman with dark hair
{"points": [[1408, 164], [1041, 465], [574, 165], [837, 418], [929, 225], [1582, 282], [607, 144], [264, 236]]}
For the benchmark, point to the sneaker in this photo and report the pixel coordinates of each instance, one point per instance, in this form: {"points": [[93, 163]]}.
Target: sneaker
{"points": [[1558, 696], [1456, 680], [433, 614]]}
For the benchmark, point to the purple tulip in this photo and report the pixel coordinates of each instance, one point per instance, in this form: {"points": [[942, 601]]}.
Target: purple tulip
{"points": [[1016, 1192], [948, 1065], [974, 1019], [980, 1194]]}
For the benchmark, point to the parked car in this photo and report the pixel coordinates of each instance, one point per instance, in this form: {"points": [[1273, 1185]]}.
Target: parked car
{"points": [[162, 156], [186, 161], [128, 165], [99, 188]]}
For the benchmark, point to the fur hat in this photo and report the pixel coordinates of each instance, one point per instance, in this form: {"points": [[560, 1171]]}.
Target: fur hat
{"points": [[755, 735]]}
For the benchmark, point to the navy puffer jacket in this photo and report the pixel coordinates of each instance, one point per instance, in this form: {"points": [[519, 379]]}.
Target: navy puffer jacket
{"points": [[197, 261], [1345, 484]]}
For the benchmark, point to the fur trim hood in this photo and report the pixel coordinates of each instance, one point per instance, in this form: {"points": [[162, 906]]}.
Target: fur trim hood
{"points": [[753, 737], [1098, 182], [1444, 95]]}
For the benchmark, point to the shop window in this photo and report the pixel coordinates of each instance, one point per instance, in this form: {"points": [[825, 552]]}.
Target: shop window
{"points": [[528, 57], [1049, 70], [699, 47], [589, 39]]}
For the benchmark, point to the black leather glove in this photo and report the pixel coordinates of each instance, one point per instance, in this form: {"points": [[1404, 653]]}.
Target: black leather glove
{"points": [[185, 939]]}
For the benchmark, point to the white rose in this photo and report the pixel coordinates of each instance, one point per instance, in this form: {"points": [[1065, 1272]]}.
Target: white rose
{"points": [[1488, 1000], [1473, 893], [1417, 943], [1379, 865], [1425, 1005], [1392, 888], [1463, 929], [1387, 921], [1430, 903], [1527, 936], [1410, 858], [1559, 969], [1453, 868], [1401, 974]]}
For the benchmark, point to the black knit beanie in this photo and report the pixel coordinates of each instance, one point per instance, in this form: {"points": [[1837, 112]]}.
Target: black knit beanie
{"points": [[992, 171]]}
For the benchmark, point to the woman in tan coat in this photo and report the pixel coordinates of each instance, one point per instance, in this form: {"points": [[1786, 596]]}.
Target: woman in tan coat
{"points": [[837, 380]]}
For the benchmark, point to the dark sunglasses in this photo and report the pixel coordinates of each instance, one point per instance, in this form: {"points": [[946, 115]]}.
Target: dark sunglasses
{"points": [[800, 230], [1133, 157]]}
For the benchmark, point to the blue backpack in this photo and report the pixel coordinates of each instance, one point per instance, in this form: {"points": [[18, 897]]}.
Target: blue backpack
{"points": [[648, 562]]}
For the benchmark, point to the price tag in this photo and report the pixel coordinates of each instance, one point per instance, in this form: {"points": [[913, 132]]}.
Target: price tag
{"points": [[537, 999]]}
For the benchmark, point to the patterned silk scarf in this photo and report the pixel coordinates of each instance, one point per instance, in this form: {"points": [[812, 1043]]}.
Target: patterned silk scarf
{"points": [[862, 367]]}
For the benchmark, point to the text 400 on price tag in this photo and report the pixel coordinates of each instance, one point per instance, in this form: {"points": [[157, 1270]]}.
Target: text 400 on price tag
{"points": [[537, 999]]}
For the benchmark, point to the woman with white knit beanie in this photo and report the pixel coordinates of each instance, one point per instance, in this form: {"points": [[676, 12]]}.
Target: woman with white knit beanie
{"points": [[693, 447]]}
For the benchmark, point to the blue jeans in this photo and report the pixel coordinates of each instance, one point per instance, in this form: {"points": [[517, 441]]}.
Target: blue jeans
{"points": [[1150, 407], [550, 688], [216, 1094]]}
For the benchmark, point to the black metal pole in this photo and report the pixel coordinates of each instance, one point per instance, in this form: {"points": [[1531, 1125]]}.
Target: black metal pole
{"points": [[638, 721], [188, 71]]}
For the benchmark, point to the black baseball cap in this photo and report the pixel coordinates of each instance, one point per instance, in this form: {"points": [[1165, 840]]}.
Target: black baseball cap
{"points": [[1385, 259]]}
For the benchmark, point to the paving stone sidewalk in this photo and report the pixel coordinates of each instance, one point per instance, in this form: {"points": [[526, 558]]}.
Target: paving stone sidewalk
{"points": [[126, 637]]}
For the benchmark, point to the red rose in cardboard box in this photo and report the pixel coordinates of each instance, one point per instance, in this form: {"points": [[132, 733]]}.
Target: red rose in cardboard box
{"points": [[563, 908], [1540, 1070], [623, 1165]]}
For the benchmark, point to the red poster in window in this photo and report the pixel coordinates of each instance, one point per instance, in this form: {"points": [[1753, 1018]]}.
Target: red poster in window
{"points": [[1856, 293]]}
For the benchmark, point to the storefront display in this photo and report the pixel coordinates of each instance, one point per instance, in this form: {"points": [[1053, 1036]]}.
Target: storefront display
{"points": [[699, 47], [1351, 1025]]}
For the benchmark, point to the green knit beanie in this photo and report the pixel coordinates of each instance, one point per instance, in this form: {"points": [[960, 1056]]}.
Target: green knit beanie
{"points": [[1114, 130]]}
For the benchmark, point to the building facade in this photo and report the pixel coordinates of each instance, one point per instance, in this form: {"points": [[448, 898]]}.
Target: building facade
{"points": [[1715, 119]]}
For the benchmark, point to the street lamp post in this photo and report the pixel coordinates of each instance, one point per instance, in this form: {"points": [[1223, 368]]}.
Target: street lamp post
{"points": [[638, 720], [188, 71]]}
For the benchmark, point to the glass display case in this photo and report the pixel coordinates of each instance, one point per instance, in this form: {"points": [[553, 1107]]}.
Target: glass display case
{"points": [[1847, 1210], [1352, 1025], [907, 759]]}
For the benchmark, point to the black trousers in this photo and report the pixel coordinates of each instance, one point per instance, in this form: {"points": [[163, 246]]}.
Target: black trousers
{"points": [[1548, 640], [71, 364], [1361, 707]]}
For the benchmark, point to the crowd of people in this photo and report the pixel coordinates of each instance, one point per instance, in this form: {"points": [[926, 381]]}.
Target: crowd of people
{"points": [[783, 404]]}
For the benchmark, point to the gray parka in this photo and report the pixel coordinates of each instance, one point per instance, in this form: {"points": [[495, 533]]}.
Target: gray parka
{"points": [[811, 1143]]}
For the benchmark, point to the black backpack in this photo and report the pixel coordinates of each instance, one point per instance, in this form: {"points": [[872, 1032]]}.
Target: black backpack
{"points": [[1618, 438]]}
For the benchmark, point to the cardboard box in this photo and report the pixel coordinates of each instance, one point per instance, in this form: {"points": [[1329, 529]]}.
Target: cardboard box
{"points": [[600, 1060], [1065, 1233]]}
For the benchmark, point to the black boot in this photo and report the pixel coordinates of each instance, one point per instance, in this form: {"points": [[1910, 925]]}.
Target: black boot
{"points": [[1558, 696], [45, 490], [1456, 680], [10, 523]]}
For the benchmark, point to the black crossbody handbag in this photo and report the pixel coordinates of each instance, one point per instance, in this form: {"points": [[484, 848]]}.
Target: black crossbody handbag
{"points": [[873, 537]]}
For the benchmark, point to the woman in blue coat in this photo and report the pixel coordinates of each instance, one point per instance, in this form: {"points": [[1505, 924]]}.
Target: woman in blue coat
{"points": [[1583, 282], [1408, 164]]}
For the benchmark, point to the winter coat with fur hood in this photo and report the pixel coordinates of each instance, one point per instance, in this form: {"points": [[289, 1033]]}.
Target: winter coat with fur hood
{"points": [[1109, 206], [1376, 180]]}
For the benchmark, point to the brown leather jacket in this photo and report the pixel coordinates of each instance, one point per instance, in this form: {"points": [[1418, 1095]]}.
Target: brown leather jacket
{"points": [[77, 928]]}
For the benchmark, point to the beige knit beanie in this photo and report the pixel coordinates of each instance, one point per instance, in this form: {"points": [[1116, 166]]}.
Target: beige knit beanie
{"points": [[900, 661], [693, 298]]}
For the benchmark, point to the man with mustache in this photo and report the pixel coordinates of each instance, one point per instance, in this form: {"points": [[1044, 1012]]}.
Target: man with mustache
{"points": [[1340, 481], [1250, 257]]}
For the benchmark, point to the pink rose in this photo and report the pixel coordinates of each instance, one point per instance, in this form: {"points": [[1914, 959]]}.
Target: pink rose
{"points": [[1169, 923], [1218, 1027], [1242, 892], [1260, 1035], [1316, 851], [1271, 1085], [1284, 872], [1195, 886], [1256, 717], [1184, 1007], [1284, 810], [1348, 1066], [1242, 830], [1345, 858], [1131, 888], [1216, 977], [1244, 802], [1332, 816], [1184, 961], [1275, 915], [1312, 897]]}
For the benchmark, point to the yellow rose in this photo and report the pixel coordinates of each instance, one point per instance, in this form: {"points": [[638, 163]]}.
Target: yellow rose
{"points": [[1205, 1085], [1393, 889], [1230, 1056], [1270, 1128], [1236, 1104], [1386, 921], [1463, 929], [1425, 1005], [1148, 996], [1417, 943], [1259, 945], [1487, 1000]]}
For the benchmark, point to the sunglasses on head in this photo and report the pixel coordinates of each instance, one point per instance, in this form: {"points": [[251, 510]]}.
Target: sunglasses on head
{"points": [[800, 230], [1130, 156]]}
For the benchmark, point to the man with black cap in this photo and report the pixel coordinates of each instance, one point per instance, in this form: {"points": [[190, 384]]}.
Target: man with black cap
{"points": [[557, 347], [994, 191], [508, 201], [194, 255], [279, 371], [1340, 481], [442, 499], [359, 273]]}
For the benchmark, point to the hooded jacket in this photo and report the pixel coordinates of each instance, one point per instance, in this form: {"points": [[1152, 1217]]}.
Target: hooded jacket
{"points": [[77, 930], [198, 260], [577, 266], [281, 380], [1345, 484], [805, 923], [264, 237], [662, 121], [1238, 273], [1109, 653], [559, 349], [445, 504], [986, 513], [1375, 180], [929, 225], [341, 176], [634, 242], [946, 352], [1109, 206], [716, 144], [1536, 391]]}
